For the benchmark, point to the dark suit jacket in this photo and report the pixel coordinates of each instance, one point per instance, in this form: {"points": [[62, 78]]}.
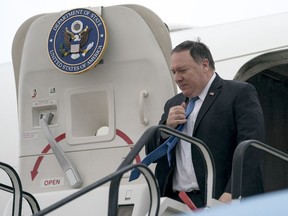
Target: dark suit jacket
{"points": [[230, 113]]}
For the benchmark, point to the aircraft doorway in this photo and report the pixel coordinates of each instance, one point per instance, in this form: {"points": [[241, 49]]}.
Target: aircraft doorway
{"points": [[269, 74]]}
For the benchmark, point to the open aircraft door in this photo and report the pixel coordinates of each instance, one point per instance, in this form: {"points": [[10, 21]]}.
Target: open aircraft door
{"points": [[269, 74], [90, 81]]}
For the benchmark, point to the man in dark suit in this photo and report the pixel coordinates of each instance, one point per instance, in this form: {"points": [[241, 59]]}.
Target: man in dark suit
{"points": [[226, 113]]}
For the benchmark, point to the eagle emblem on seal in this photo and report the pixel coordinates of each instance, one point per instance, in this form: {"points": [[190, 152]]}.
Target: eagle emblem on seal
{"points": [[75, 40]]}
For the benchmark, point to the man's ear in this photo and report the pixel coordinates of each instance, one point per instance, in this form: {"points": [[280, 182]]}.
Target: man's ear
{"points": [[205, 64]]}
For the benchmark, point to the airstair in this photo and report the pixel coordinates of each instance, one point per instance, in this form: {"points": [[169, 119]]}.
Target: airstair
{"points": [[157, 205]]}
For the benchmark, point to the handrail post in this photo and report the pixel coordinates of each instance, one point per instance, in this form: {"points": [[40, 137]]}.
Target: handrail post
{"points": [[238, 158], [147, 135], [150, 178], [16, 183], [114, 194]]}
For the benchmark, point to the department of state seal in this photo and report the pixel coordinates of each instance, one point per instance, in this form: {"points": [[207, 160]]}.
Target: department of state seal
{"points": [[77, 41]]}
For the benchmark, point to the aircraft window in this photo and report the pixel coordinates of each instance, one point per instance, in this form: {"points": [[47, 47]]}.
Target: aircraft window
{"points": [[90, 115]]}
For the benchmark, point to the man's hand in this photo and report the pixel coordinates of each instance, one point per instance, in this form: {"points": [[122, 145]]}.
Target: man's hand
{"points": [[226, 198], [176, 116]]}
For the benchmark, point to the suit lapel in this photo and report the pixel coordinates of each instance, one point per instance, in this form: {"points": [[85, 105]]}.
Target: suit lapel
{"points": [[212, 94]]}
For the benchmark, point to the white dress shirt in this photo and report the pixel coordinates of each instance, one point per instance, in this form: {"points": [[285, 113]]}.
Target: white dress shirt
{"points": [[185, 178]]}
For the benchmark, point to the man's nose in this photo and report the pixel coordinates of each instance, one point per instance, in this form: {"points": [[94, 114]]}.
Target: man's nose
{"points": [[177, 77]]}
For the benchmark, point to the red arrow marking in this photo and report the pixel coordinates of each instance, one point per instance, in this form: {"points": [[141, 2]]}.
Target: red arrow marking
{"points": [[128, 141], [34, 172], [57, 139]]}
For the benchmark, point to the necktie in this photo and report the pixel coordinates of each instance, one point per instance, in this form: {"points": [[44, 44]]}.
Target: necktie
{"points": [[166, 147]]}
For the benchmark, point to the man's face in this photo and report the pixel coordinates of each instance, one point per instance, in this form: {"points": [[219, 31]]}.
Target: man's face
{"points": [[190, 76]]}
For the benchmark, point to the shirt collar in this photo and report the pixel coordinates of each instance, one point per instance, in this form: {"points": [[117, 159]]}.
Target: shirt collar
{"points": [[207, 87]]}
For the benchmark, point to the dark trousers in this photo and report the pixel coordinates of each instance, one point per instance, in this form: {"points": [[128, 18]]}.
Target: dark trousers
{"points": [[195, 197]]}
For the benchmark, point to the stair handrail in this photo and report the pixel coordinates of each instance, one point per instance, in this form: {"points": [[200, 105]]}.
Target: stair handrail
{"points": [[238, 158], [16, 184], [146, 136], [17, 191], [34, 206], [149, 176]]}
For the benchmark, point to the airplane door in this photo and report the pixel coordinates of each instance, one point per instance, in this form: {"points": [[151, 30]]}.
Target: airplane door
{"points": [[96, 114]]}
